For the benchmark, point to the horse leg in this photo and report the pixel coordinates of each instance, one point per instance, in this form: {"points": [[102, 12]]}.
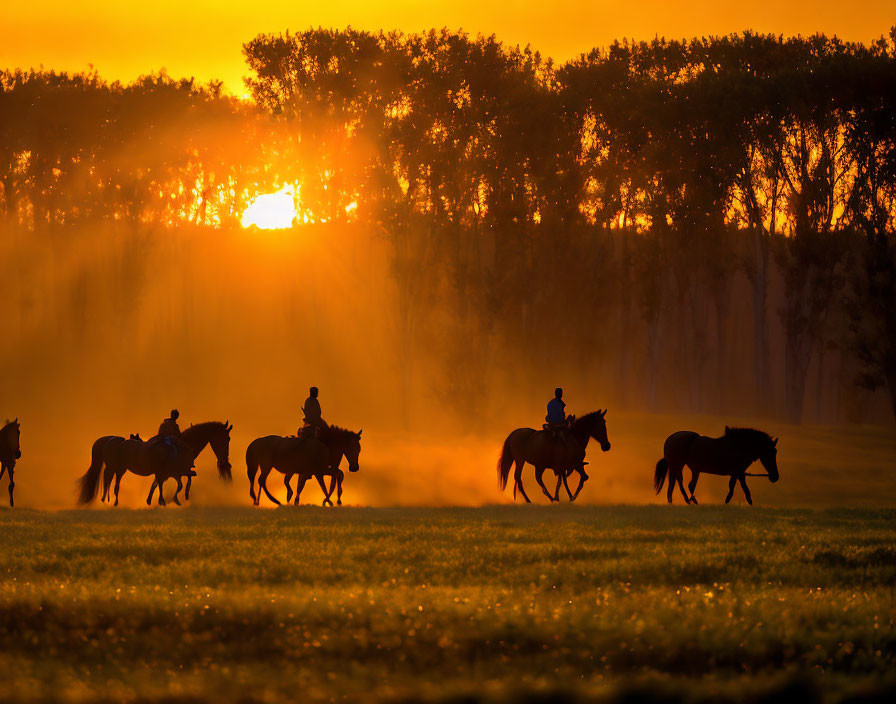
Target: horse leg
{"points": [[338, 477], [180, 485], [286, 478], [566, 486], [262, 483], [693, 483], [118, 476], [731, 483], [299, 486], [680, 481], [539, 471], [560, 477], [582, 478], [674, 471], [518, 481], [743, 485], [107, 482], [12, 485], [323, 488], [158, 482], [189, 484]]}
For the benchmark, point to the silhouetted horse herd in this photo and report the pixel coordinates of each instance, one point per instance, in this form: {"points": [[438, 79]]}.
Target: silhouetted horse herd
{"points": [[318, 453]]}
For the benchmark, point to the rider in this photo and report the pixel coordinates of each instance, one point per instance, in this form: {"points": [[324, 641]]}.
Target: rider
{"points": [[169, 426], [169, 430], [556, 417], [312, 412]]}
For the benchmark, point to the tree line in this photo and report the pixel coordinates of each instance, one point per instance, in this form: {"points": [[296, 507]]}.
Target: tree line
{"points": [[692, 225]]}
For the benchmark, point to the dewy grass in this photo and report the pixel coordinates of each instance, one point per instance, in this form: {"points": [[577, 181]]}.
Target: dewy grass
{"points": [[681, 603]]}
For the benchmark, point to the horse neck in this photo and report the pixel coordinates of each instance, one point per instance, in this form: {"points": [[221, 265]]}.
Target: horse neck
{"points": [[6, 437], [747, 453], [581, 433], [203, 435]]}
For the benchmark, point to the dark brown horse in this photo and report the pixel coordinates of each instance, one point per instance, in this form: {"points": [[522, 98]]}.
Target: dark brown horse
{"points": [[212, 433], [540, 449], [196, 436], [156, 458], [730, 456], [341, 443], [10, 451], [308, 457], [162, 458]]}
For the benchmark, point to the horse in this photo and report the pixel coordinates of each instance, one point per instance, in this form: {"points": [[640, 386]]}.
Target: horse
{"points": [[340, 442], [540, 449], [305, 456], [197, 437], [162, 458], [729, 455], [10, 451]]}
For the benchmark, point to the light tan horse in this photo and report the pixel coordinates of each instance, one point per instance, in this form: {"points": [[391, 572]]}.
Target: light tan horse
{"points": [[10, 451], [306, 456], [540, 449]]}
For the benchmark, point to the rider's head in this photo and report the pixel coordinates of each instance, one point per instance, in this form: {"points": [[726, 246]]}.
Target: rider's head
{"points": [[174, 414], [313, 392], [558, 392]]}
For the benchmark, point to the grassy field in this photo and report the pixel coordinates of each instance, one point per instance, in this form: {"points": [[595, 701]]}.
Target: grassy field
{"points": [[581, 603]]}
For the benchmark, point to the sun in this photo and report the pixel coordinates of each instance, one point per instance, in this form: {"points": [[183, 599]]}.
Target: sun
{"points": [[271, 211]]}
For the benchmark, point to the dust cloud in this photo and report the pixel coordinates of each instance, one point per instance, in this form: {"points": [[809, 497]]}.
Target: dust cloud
{"points": [[109, 328]]}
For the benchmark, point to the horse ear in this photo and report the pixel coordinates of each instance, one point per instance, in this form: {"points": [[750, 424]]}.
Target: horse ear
{"points": [[229, 428], [727, 429], [775, 442], [603, 413]]}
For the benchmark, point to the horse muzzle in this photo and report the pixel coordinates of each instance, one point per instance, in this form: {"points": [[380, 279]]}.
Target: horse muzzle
{"points": [[773, 479], [353, 468], [605, 446]]}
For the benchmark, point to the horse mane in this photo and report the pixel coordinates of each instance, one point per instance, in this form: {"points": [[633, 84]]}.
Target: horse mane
{"points": [[334, 430], [203, 426], [585, 419], [748, 436]]}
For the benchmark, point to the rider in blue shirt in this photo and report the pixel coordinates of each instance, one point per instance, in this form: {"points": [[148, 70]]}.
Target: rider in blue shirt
{"points": [[556, 409]]}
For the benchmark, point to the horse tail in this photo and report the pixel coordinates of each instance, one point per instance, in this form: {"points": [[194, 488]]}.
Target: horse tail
{"points": [[505, 461], [659, 476], [89, 484]]}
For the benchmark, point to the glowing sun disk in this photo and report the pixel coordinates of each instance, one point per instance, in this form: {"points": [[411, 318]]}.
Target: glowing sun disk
{"points": [[271, 211]]}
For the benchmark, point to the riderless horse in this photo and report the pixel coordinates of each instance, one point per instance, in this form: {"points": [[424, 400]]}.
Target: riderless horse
{"points": [[729, 455]]}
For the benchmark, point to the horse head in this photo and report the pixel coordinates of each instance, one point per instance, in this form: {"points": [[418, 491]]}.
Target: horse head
{"points": [[13, 437], [597, 428], [769, 458], [351, 448], [220, 442]]}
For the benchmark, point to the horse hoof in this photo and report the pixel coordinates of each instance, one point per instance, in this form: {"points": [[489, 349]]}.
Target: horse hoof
{"points": [[339, 502], [176, 501]]}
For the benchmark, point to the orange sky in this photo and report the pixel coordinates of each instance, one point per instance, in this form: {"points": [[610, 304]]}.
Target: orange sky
{"points": [[204, 38]]}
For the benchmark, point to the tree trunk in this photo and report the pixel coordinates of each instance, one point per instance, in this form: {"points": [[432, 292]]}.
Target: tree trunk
{"points": [[760, 322], [797, 354]]}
